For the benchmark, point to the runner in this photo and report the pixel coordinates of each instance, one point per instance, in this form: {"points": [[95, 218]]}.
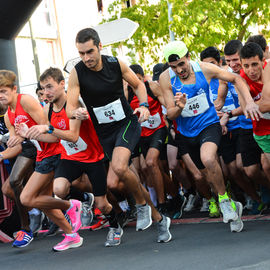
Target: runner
{"points": [[25, 111], [81, 153], [99, 81], [185, 89]]}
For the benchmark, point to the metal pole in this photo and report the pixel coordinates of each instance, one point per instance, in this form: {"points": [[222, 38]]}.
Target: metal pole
{"points": [[172, 38], [34, 48]]}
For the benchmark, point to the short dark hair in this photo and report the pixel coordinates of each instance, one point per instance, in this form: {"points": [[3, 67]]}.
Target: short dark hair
{"points": [[251, 49], [232, 47], [38, 87], [210, 52], [55, 73], [137, 69], [259, 39], [88, 34]]}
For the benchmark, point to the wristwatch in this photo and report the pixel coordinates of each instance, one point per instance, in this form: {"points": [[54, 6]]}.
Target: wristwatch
{"points": [[230, 114], [51, 129], [145, 104]]}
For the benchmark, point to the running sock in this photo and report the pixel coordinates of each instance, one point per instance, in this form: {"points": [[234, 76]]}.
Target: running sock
{"points": [[153, 195], [34, 211], [71, 234], [112, 218], [71, 205], [226, 197]]}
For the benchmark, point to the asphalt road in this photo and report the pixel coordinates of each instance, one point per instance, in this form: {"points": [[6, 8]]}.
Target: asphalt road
{"points": [[194, 246]]}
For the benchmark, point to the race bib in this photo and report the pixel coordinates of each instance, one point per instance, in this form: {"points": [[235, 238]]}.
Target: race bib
{"points": [[110, 113], [229, 108], [36, 144], [195, 106], [74, 148], [266, 116], [153, 121]]}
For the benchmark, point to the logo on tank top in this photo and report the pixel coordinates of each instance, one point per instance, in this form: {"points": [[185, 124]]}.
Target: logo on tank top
{"points": [[62, 124], [201, 91], [20, 119]]}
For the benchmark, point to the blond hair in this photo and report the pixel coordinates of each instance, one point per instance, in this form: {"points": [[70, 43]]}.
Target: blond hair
{"points": [[7, 78]]}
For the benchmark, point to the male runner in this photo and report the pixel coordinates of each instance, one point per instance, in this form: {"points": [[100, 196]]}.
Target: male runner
{"points": [[81, 152], [186, 92], [98, 79]]}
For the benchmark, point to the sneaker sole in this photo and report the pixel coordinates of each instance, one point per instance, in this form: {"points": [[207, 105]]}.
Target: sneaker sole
{"points": [[71, 246], [239, 217], [150, 223], [23, 245], [170, 236]]}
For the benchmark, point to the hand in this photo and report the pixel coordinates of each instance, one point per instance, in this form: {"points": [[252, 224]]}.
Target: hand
{"points": [[80, 114], [21, 129], [180, 100], [252, 111], [14, 140], [218, 104], [220, 114], [35, 131], [143, 113], [224, 130], [224, 119]]}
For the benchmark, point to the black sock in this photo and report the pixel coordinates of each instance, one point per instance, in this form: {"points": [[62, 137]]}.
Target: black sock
{"points": [[76, 194], [112, 219]]}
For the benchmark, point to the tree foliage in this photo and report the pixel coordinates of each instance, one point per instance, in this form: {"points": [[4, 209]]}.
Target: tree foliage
{"points": [[198, 23]]}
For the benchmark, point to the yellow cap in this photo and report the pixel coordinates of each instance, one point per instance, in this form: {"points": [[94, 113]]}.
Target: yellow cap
{"points": [[175, 50]]}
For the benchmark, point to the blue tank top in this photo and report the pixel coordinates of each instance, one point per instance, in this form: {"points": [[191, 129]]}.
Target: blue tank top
{"points": [[229, 104], [243, 121], [199, 111]]}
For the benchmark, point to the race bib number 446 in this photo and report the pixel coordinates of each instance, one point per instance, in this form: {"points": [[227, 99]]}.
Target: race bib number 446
{"points": [[195, 106], [110, 113]]}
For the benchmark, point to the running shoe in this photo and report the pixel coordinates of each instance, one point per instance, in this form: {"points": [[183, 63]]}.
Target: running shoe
{"points": [[205, 205], [192, 199], [101, 223], [75, 215], [69, 242], [144, 219], [213, 208], [53, 229], [238, 225], [229, 214], [257, 208], [23, 239], [163, 227], [87, 214], [114, 237], [36, 222], [178, 205]]}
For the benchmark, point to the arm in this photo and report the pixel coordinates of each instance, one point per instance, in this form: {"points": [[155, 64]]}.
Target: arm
{"points": [[264, 103], [13, 151], [138, 88], [251, 109], [73, 92], [222, 94], [174, 105], [156, 89]]}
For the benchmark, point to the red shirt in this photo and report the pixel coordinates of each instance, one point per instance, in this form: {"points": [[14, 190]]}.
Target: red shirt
{"points": [[155, 120], [20, 116], [261, 127], [87, 149]]}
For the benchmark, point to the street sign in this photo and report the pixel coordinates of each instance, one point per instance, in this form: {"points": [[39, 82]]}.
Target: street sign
{"points": [[116, 31]]}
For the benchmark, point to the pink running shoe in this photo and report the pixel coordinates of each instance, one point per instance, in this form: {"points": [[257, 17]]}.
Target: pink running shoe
{"points": [[69, 242], [75, 215]]}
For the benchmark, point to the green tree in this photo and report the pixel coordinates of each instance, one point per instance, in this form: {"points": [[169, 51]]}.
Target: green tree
{"points": [[198, 23]]}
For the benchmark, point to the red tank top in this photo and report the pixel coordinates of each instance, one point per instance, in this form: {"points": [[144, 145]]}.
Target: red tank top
{"points": [[261, 127], [155, 120], [87, 149], [20, 116]]}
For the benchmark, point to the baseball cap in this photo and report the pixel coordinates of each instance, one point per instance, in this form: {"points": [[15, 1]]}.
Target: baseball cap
{"points": [[157, 70], [175, 50]]}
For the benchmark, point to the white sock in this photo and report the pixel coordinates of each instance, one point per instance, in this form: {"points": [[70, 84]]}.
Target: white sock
{"points": [[34, 211], [153, 195]]}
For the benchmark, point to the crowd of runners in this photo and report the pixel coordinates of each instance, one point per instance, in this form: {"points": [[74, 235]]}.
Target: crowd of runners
{"points": [[121, 146]]}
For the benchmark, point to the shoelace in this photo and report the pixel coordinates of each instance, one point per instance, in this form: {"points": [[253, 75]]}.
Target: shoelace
{"points": [[86, 208], [20, 235]]}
